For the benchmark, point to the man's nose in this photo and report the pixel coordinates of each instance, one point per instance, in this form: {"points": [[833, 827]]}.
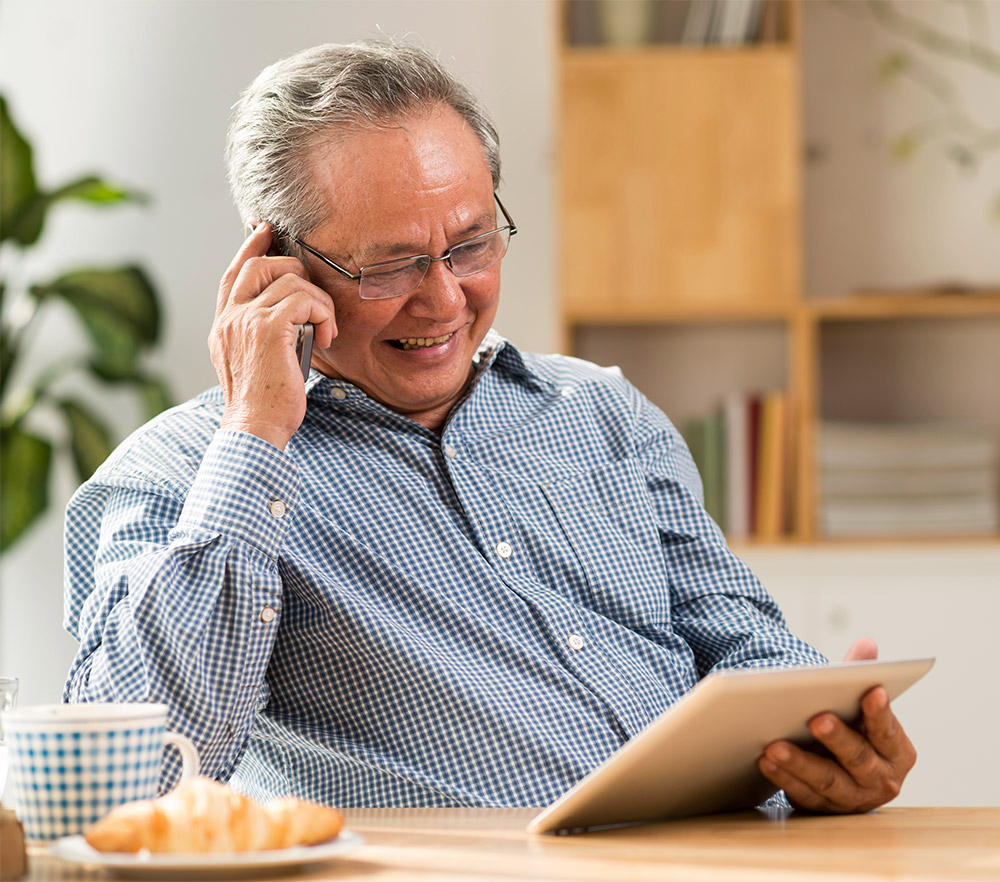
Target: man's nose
{"points": [[440, 295]]}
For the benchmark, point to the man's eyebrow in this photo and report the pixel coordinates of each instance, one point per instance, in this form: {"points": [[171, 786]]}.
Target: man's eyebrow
{"points": [[375, 250]]}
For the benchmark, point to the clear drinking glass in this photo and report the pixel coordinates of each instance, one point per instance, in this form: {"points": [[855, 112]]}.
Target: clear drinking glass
{"points": [[8, 698]]}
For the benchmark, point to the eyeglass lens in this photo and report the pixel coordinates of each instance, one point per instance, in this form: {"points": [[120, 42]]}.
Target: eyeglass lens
{"points": [[400, 277]]}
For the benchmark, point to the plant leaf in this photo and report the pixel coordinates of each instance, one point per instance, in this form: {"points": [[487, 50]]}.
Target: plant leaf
{"points": [[17, 174], [118, 307], [28, 223], [89, 439], [24, 481], [96, 190]]}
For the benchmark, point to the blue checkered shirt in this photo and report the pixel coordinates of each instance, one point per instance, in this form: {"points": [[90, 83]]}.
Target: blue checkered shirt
{"points": [[384, 616]]}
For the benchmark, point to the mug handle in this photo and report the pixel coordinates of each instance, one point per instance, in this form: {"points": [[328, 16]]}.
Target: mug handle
{"points": [[190, 764]]}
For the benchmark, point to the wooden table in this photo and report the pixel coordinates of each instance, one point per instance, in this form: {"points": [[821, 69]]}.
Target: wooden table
{"points": [[454, 845]]}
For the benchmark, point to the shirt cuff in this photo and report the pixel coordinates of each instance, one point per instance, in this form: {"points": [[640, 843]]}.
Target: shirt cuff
{"points": [[246, 489]]}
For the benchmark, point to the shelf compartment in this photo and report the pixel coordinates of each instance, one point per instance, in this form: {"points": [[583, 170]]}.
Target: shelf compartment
{"points": [[924, 368], [640, 233]]}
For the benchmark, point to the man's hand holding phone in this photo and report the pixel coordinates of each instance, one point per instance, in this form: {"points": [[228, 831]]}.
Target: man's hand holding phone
{"points": [[264, 300]]}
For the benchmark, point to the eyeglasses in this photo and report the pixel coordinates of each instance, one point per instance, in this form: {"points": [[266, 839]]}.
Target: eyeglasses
{"points": [[397, 278]]}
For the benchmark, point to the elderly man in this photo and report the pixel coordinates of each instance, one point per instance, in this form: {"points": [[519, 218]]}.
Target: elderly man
{"points": [[441, 571]]}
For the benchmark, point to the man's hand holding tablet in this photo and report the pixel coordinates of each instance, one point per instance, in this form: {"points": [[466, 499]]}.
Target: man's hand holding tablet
{"points": [[866, 767]]}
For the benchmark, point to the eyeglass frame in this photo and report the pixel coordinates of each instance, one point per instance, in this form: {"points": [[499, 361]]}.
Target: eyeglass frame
{"points": [[356, 277]]}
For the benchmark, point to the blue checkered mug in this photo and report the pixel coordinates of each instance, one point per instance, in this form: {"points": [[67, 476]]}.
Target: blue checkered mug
{"points": [[70, 764]]}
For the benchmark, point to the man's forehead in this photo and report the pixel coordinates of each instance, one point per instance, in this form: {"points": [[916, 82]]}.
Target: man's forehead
{"points": [[422, 144], [410, 228], [393, 186]]}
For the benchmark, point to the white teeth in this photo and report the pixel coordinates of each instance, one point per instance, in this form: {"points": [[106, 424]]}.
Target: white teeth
{"points": [[422, 342]]}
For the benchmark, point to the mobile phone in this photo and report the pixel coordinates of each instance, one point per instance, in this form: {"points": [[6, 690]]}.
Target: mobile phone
{"points": [[304, 347]]}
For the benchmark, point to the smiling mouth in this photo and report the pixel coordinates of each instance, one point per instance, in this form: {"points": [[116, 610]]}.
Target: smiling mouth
{"points": [[408, 343]]}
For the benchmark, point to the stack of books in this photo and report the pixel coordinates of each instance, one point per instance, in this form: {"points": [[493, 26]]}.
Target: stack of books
{"points": [[743, 453], [908, 479]]}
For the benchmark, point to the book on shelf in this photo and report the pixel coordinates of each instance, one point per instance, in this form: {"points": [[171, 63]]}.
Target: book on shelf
{"points": [[863, 483], [768, 23], [771, 487], [945, 516], [736, 22], [906, 445], [698, 24], [728, 22], [752, 404], [898, 479], [739, 473], [742, 450], [706, 439], [672, 22]]}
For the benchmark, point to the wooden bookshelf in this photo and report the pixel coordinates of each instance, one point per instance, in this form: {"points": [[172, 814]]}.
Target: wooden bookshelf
{"points": [[680, 205], [904, 304]]}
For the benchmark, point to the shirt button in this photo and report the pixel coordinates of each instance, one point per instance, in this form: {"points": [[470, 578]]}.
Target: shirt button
{"points": [[576, 642], [504, 550], [277, 508], [338, 393], [267, 615], [450, 451]]}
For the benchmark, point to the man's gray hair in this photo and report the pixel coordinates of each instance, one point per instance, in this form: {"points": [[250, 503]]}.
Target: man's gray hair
{"points": [[298, 101]]}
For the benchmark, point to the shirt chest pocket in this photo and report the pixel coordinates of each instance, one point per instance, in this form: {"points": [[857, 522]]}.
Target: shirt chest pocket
{"points": [[607, 519]]}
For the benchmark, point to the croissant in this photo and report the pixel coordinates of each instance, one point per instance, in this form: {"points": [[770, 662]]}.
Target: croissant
{"points": [[201, 815]]}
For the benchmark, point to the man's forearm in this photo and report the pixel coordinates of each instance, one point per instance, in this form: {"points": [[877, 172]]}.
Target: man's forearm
{"points": [[186, 602]]}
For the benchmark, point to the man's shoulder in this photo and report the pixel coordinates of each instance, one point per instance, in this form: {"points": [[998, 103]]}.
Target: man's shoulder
{"points": [[566, 371], [168, 448]]}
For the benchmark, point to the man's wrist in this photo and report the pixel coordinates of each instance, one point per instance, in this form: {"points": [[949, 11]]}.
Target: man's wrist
{"points": [[274, 434], [245, 489]]}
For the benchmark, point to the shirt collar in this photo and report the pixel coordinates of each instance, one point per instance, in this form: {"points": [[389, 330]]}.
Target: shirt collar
{"points": [[494, 353], [499, 352]]}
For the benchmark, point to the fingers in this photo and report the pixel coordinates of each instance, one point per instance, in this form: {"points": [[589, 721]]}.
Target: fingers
{"points": [[817, 789], [884, 732], [268, 281], [254, 245], [252, 342], [864, 770], [863, 649]]}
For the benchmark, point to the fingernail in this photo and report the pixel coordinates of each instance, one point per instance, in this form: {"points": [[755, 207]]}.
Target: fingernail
{"points": [[767, 766], [779, 753], [824, 726]]}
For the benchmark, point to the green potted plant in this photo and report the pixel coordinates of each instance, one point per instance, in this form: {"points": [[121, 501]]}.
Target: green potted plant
{"points": [[117, 311]]}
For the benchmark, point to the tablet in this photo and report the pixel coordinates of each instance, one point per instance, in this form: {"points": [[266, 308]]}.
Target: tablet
{"points": [[700, 755]]}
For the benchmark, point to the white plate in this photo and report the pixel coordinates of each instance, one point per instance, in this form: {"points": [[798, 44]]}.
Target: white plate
{"points": [[242, 864]]}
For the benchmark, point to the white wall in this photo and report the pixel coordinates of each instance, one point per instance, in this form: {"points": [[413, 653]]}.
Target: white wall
{"points": [[872, 220], [141, 91]]}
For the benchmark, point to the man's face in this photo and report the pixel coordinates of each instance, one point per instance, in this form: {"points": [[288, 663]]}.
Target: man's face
{"points": [[418, 187]]}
